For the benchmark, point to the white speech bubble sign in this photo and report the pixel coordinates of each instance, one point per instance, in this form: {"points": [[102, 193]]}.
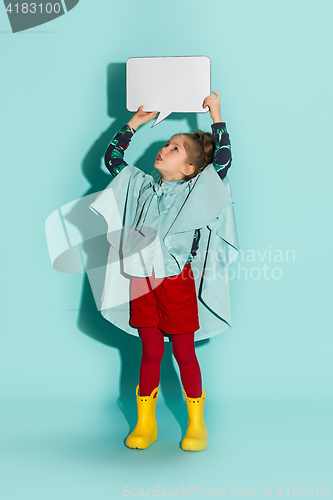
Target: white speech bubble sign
{"points": [[167, 84]]}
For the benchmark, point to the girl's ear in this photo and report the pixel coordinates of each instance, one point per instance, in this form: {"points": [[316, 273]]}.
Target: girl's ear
{"points": [[190, 168]]}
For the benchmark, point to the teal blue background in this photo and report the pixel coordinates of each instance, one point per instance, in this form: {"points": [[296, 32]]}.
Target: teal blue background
{"points": [[68, 376]]}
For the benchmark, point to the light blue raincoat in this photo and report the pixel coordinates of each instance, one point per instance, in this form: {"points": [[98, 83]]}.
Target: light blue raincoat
{"points": [[203, 203]]}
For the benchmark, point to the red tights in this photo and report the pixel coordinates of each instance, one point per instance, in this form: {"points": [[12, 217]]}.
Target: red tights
{"points": [[152, 339]]}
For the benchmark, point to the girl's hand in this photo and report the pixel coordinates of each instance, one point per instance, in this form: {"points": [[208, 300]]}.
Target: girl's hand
{"points": [[141, 117], [214, 106]]}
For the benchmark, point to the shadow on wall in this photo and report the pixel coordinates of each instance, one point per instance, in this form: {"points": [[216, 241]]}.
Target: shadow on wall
{"points": [[90, 320]]}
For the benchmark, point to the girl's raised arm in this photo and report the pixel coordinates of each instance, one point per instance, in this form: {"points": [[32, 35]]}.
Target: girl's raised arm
{"points": [[222, 155], [114, 156]]}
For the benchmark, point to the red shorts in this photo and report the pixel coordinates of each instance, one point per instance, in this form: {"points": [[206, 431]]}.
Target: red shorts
{"points": [[167, 303]]}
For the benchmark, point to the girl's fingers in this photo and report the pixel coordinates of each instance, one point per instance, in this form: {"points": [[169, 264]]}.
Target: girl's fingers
{"points": [[211, 98], [206, 101], [147, 112]]}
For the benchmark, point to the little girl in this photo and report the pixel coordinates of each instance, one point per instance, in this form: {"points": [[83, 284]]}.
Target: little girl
{"points": [[163, 301]]}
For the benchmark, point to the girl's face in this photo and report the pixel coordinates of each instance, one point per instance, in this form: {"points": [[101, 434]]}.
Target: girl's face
{"points": [[171, 161]]}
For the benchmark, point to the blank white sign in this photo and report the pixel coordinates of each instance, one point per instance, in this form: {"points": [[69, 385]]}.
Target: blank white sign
{"points": [[167, 84]]}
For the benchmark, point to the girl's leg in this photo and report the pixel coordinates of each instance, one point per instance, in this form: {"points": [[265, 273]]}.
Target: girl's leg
{"points": [[184, 352], [152, 339]]}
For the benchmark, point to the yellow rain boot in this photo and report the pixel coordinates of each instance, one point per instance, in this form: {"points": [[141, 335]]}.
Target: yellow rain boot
{"points": [[196, 435], [145, 431]]}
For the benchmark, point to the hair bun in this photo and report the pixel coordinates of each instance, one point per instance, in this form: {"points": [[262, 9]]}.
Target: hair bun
{"points": [[200, 149]]}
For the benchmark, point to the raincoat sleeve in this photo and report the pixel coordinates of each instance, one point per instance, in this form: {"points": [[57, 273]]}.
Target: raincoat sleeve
{"points": [[112, 204], [221, 251]]}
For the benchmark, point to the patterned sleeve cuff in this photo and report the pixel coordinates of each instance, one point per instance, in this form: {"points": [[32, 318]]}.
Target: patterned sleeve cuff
{"points": [[220, 133], [122, 139], [219, 127], [127, 128]]}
